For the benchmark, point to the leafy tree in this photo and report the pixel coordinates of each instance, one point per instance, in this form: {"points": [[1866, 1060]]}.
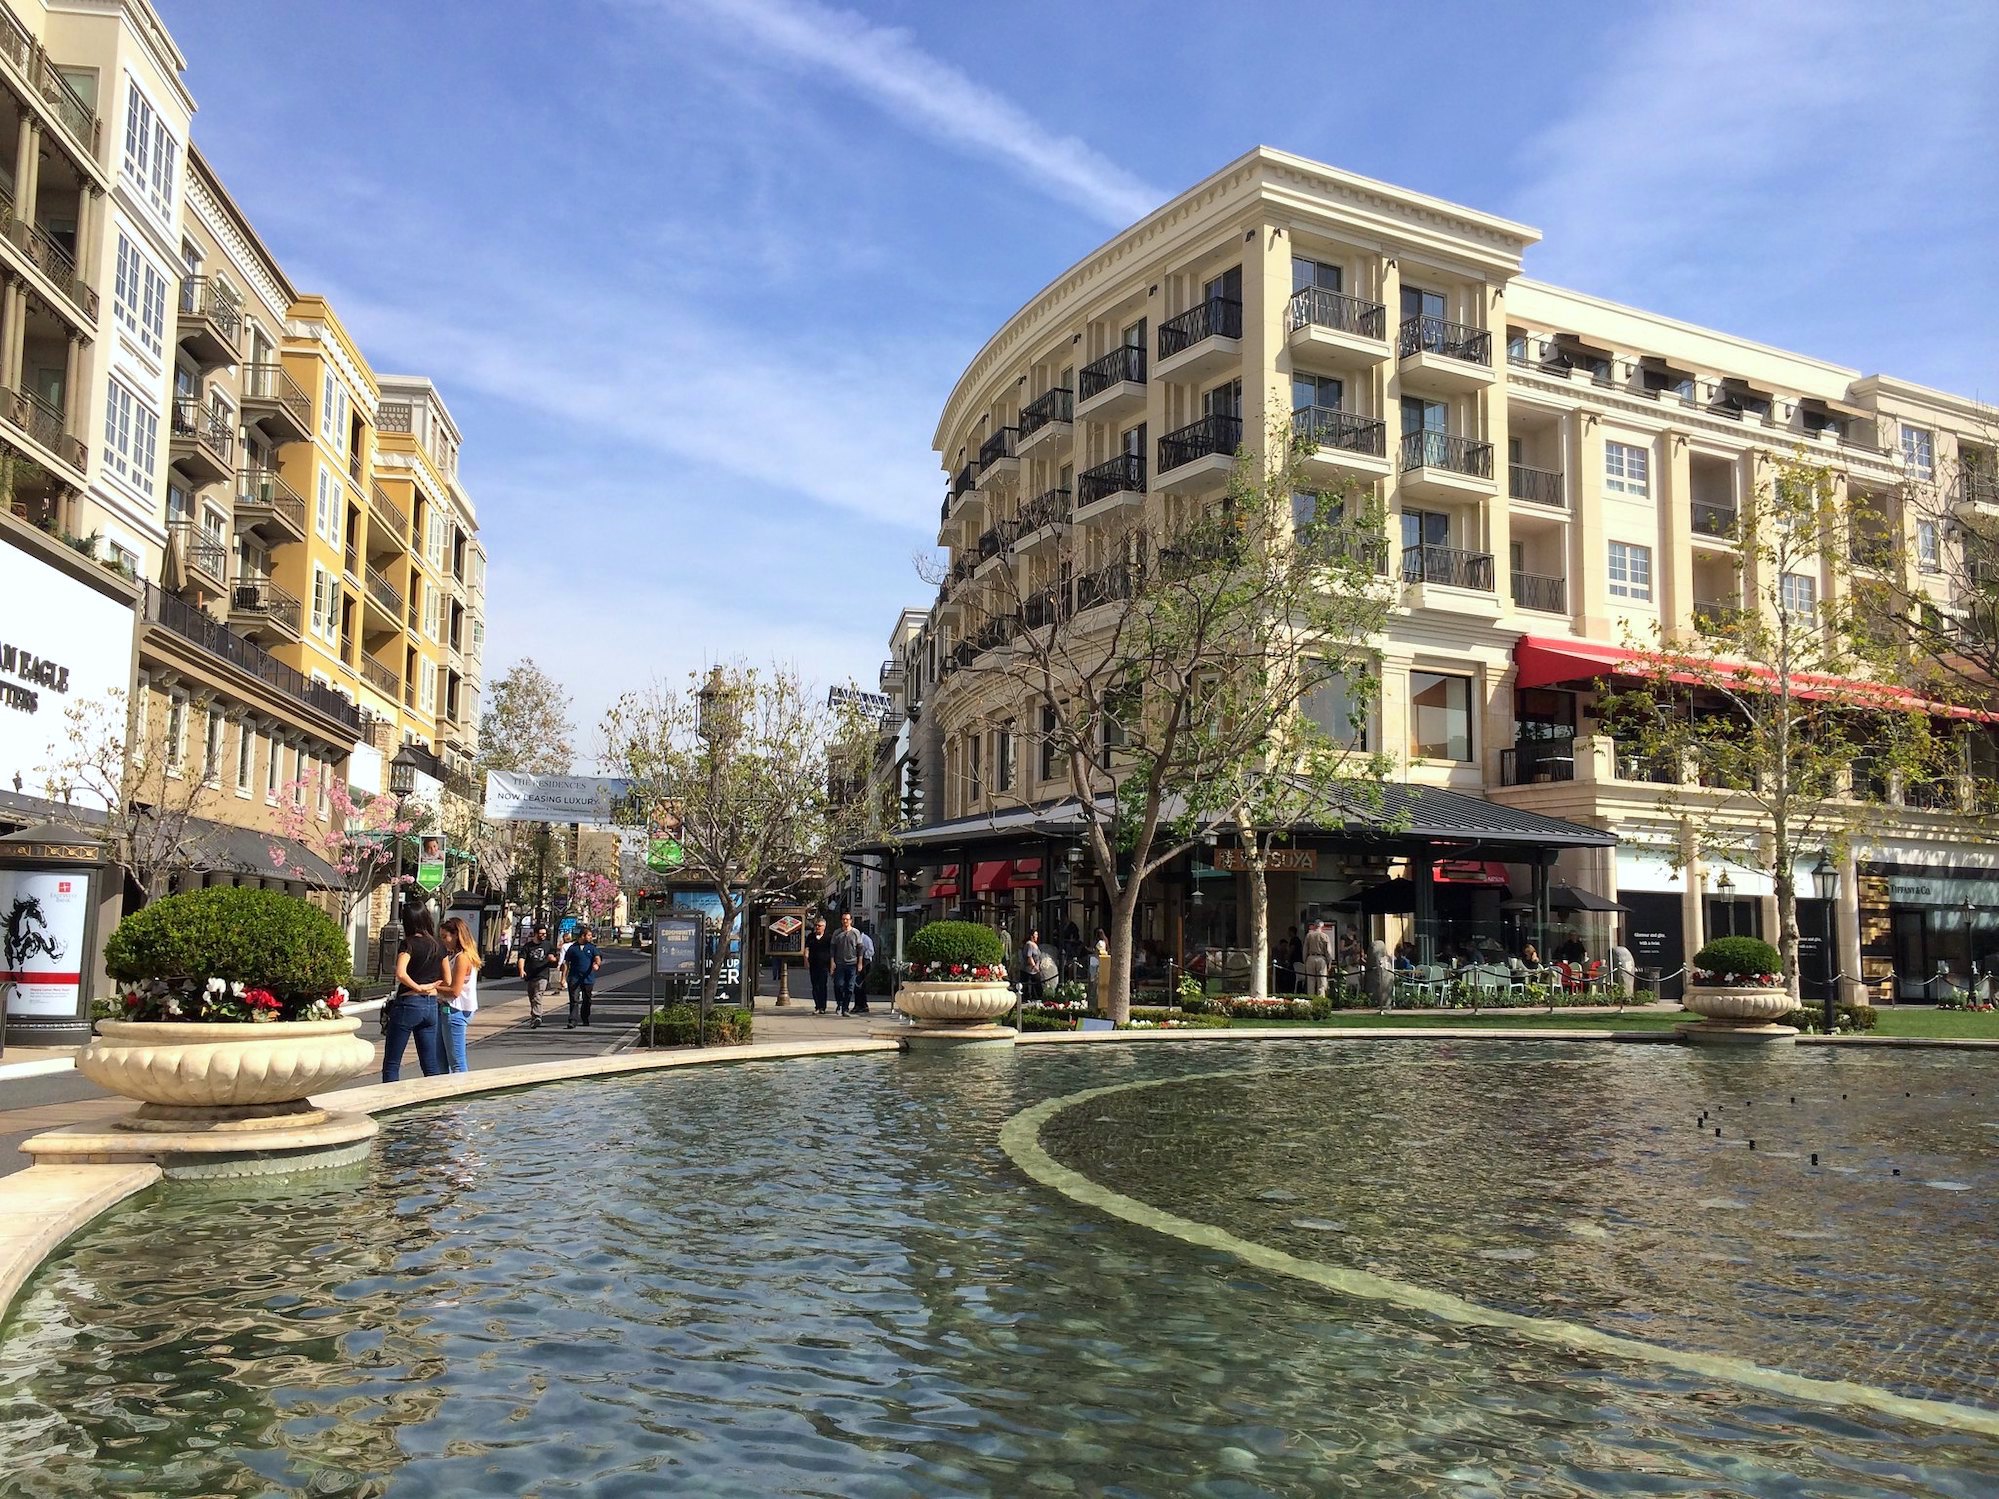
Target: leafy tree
{"points": [[1165, 663], [357, 843], [525, 727]]}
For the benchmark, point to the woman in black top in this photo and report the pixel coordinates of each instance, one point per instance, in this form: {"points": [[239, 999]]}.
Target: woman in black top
{"points": [[412, 1011]]}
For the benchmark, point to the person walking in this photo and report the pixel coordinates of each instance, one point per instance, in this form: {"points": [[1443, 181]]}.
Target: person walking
{"points": [[580, 962], [1380, 975], [845, 949], [1318, 959], [867, 962], [1100, 964], [819, 963], [460, 989], [412, 1012], [531, 963], [1031, 990], [1624, 970]]}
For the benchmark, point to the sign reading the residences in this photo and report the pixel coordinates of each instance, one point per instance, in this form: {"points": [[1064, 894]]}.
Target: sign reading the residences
{"points": [[515, 796], [1276, 861]]}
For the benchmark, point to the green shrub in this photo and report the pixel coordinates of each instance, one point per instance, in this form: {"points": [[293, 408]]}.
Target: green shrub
{"points": [[1850, 1018], [680, 1025], [229, 953], [941, 946], [1738, 958], [1032, 1019]]}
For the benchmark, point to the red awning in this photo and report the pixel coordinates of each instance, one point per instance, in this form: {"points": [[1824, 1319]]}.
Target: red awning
{"points": [[1541, 661], [1468, 872], [1026, 872], [943, 890], [993, 877]]}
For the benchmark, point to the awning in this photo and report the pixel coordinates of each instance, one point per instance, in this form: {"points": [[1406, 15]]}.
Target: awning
{"points": [[992, 877], [1468, 872], [944, 890], [1742, 395], [1824, 406], [1542, 660], [1653, 364], [1026, 873], [220, 848]]}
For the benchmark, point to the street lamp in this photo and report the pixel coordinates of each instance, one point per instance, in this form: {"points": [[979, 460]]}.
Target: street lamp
{"points": [[1724, 891], [1825, 879], [1969, 908], [402, 782]]}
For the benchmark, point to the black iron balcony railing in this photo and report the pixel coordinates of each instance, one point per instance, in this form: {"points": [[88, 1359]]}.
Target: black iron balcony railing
{"points": [[1103, 586], [46, 424], [1977, 486], [996, 447], [260, 596], [1043, 607], [205, 427], [1448, 566], [993, 634], [1325, 427], [1048, 509], [964, 480], [261, 488], [1536, 591], [1126, 472], [1713, 615], [1460, 455], [1659, 770], [1538, 486], [996, 538], [205, 297], [1342, 543], [1316, 307], [1537, 760], [381, 678], [1218, 317], [1199, 554], [201, 552], [1435, 335], [1122, 364], [392, 514], [1940, 795], [1874, 550], [1055, 405], [191, 623], [1711, 518], [385, 593], [269, 382], [1209, 435]]}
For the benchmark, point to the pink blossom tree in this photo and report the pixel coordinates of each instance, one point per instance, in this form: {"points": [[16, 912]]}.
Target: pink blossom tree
{"points": [[357, 841], [595, 894]]}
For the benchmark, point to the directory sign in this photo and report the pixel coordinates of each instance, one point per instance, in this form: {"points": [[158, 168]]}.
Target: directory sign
{"points": [[676, 946]]}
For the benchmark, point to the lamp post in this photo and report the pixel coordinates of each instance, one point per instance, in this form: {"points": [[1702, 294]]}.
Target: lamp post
{"points": [[1969, 908], [1724, 889], [1825, 879], [402, 781]]}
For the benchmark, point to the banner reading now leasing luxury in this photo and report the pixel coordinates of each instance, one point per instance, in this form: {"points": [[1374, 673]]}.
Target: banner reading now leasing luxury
{"points": [[516, 796]]}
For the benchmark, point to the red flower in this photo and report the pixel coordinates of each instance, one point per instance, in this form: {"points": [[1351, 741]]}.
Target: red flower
{"points": [[260, 999], [335, 1000], [132, 1000]]}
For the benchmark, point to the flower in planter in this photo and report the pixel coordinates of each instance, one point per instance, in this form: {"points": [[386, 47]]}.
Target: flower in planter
{"points": [[261, 1000], [336, 999]]}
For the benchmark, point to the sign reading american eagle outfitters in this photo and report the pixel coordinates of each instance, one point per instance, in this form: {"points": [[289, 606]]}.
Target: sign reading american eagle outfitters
{"points": [[1275, 861], [516, 796]]}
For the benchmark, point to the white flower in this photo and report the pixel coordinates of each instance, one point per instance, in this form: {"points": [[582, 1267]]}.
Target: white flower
{"points": [[217, 986]]}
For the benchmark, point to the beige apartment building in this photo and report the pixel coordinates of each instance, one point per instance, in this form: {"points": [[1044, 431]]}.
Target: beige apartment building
{"points": [[1560, 475]]}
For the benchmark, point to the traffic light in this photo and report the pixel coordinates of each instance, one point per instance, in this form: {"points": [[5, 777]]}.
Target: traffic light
{"points": [[912, 797]]}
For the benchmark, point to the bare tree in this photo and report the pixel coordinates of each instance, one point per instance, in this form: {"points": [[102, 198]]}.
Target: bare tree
{"points": [[525, 727], [1164, 660]]}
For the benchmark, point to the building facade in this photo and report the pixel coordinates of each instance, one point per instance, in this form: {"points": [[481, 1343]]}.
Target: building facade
{"points": [[1560, 476]]}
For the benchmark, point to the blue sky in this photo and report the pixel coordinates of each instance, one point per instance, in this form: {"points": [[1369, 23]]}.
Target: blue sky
{"points": [[696, 275]]}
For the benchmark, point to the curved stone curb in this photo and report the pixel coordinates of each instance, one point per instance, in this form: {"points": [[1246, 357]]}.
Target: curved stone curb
{"points": [[40, 1209], [1328, 1033], [1020, 1138]]}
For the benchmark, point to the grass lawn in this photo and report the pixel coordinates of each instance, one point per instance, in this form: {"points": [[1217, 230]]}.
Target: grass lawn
{"points": [[1957, 1024]]}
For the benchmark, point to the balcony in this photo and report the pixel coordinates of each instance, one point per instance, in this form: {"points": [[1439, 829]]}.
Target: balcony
{"points": [[1439, 355], [278, 403], [1113, 386], [1205, 338], [1048, 418], [1348, 332], [996, 539], [200, 443], [382, 678], [1977, 486], [1713, 520], [1447, 566], [1341, 444], [1119, 482], [45, 81], [1536, 486], [1199, 452], [210, 320], [1103, 586], [392, 517], [1543, 595], [1537, 761], [51, 259], [47, 425], [192, 624], [257, 605], [1042, 517], [1436, 465], [268, 506], [999, 463], [1718, 616], [205, 557], [1347, 545], [385, 595]]}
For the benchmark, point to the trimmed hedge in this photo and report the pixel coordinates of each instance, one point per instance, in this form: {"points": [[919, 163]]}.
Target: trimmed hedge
{"points": [[1739, 957], [947, 942], [1811, 1019], [264, 938], [680, 1025]]}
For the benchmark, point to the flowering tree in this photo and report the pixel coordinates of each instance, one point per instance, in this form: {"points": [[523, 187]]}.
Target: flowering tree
{"points": [[358, 841], [594, 894]]}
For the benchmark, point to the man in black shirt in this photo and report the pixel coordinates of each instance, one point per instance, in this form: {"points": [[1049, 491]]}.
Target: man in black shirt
{"points": [[819, 963], [532, 964]]}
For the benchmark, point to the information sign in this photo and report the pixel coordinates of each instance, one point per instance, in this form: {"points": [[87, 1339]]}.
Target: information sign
{"points": [[676, 947]]}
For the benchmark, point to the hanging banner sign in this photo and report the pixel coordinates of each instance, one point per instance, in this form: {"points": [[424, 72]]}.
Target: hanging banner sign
{"points": [[516, 796]]}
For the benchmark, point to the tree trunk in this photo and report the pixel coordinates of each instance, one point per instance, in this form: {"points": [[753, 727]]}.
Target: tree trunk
{"points": [[1787, 925], [1259, 915], [1124, 912]]}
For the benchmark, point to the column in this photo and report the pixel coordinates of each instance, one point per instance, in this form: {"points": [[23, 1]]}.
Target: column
{"points": [[1674, 497], [72, 383], [27, 167], [1266, 291], [1422, 877], [1693, 910], [1582, 470], [1846, 932], [14, 331]]}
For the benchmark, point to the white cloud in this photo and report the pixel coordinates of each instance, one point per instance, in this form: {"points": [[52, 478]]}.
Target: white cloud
{"points": [[887, 67]]}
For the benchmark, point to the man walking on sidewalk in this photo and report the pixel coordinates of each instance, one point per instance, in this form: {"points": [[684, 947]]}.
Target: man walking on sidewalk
{"points": [[531, 963], [819, 963], [581, 961], [846, 950]]}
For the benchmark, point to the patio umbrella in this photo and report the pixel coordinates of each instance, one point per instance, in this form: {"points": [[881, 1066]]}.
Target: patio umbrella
{"points": [[1396, 897], [1566, 898]]}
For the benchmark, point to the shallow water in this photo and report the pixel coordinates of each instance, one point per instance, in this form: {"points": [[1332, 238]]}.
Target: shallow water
{"points": [[823, 1277]]}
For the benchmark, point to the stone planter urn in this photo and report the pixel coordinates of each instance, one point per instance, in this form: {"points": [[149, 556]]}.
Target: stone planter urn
{"points": [[1737, 1014], [230, 1078], [955, 1013]]}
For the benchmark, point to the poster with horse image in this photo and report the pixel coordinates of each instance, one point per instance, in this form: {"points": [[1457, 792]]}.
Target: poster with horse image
{"points": [[41, 946]]}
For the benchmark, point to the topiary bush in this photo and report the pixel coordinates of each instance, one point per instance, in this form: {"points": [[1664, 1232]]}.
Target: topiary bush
{"points": [[1737, 960], [943, 951], [230, 953], [680, 1025]]}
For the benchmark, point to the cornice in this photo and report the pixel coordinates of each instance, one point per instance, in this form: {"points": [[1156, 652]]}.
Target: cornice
{"points": [[225, 225], [331, 347]]}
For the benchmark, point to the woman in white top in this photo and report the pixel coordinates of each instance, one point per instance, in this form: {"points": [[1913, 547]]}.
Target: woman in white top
{"points": [[460, 988]]}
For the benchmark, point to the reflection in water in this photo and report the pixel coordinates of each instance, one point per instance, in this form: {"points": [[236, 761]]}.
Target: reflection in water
{"points": [[823, 1278]]}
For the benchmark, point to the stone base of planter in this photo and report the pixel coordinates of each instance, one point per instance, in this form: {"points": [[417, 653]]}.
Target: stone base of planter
{"points": [[1737, 1017], [166, 1118], [334, 1139], [946, 1037]]}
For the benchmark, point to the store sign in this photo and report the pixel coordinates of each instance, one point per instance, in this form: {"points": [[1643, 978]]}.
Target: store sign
{"points": [[872, 704], [42, 916], [61, 641], [1276, 861], [516, 796]]}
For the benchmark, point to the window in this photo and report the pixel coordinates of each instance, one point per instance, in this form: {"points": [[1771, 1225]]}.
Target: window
{"points": [[433, 542], [426, 685], [1630, 571], [1339, 712], [1625, 469], [142, 702], [131, 437], [275, 753], [1223, 400], [1003, 746], [151, 152], [326, 506], [333, 406], [431, 611], [1919, 450], [1929, 551], [974, 786], [322, 600], [1439, 716], [1316, 390], [1048, 744], [211, 749], [298, 776], [1313, 273], [1426, 528], [246, 757], [140, 297], [319, 781], [176, 734], [1798, 593]]}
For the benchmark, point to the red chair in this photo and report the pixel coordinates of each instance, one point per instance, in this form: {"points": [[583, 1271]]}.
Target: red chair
{"points": [[1572, 981], [1593, 975]]}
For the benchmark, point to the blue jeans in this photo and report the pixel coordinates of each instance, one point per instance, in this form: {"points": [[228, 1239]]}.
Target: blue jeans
{"points": [[845, 981], [457, 1021], [403, 1017]]}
